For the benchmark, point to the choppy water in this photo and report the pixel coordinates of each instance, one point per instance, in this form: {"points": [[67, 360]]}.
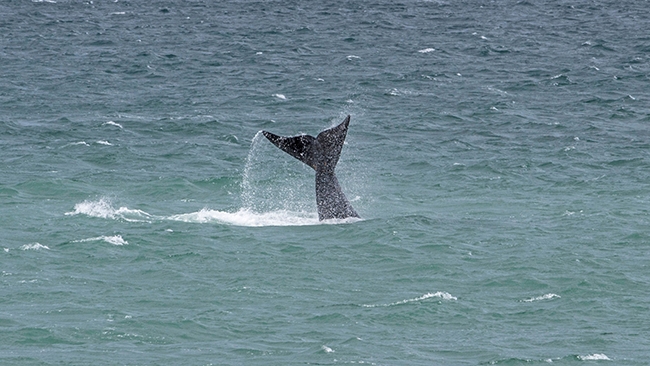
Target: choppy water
{"points": [[498, 154]]}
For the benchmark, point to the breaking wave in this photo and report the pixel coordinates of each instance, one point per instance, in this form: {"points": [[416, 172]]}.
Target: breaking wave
{"points": [[115, 240], [440, 295], [103, 208]]}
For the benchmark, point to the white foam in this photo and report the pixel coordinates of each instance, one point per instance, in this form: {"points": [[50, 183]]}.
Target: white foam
{"points": [[115, 240], [595, 357], [427, 50], [245, 217], [102, 142], [103, 208], [280, 96], [111, 123], [34, 246], [82, 143], [327, 349], [441, 295], [543, 297], [352, 57]]}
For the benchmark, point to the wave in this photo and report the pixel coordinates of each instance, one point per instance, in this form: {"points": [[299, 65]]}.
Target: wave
{"points": [[327, 349], [595, 357], [33, 246], [115, 240], [103, 208], [543, 297], [570, 358], [441, 295], [111, 123], [83, 143]]}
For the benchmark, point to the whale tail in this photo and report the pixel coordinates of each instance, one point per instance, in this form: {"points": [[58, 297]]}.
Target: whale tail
{"points": [[321, 153], [300, 147]]}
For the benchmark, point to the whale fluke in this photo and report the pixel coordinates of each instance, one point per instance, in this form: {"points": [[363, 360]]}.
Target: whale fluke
{"points": [[322, 154]]}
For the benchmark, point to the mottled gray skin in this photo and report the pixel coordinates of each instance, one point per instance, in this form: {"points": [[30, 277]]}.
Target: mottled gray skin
{"points": [[321, 153]]}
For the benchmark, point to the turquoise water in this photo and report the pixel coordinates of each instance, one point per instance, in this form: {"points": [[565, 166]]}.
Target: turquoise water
{"points": [[498, 154]]}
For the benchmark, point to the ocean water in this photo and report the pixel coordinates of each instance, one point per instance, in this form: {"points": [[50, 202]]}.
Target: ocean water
{"points": [[498, 153]]}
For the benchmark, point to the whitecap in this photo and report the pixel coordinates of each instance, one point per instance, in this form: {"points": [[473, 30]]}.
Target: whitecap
{"points": [[427, 50], [280, 96], [327, 349], [34, 246], [103, 208], [111, 123], [102, 142], [543, 297], [115, 240], [400, 92], [595, 357], [352, 57], [82, 143], [440, 294]]}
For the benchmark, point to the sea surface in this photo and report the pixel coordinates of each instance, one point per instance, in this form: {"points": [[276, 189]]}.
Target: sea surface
{"points": [[498, 154]]}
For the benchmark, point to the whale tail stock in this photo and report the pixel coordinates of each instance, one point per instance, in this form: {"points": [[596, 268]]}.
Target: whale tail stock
{"points": [[321, 153]]}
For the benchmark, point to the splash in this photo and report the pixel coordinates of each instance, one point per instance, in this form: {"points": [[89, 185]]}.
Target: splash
{"points": [[247, 189], [272, 194], [272, 185], [245, 217], [103, 208]]}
